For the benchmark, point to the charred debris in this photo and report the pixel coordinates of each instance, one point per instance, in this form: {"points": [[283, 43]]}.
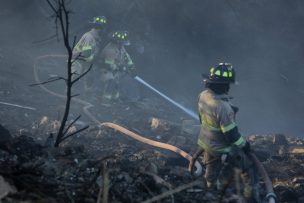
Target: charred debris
{"points": [[105, 166]]}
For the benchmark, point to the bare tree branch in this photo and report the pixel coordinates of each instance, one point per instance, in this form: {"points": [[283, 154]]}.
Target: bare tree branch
{"points": [[74, 133], [74, 95], [66, 13], [45, 40], [56, 28], [74, 42], [72, 123], [78, 57], [52, 6], [83, 74], [48, 81], [61, 14]]}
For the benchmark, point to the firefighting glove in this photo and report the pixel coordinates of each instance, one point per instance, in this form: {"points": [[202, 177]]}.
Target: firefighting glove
{"points": [[195, 156], [83, 55]]}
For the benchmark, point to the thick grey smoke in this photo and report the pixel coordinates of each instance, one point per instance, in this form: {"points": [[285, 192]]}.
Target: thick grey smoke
{"points": [[174, 41]]}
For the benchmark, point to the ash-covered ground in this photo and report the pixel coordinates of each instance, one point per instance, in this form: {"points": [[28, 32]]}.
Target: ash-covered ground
{"points": [[84, 165]]}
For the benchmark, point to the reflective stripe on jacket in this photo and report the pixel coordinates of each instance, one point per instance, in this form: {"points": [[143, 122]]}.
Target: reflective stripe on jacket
{"points": [[88, 43], [217, 117], [116, 58]]}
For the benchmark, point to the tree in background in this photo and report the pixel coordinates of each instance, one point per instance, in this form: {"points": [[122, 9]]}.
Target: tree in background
{"points": [[61, 15]]}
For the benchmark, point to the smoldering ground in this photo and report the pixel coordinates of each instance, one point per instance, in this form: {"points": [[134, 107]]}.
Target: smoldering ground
{"points": [[173, 42]]}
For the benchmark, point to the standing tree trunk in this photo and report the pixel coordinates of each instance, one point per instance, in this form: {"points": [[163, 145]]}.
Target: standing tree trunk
{"points": [[62, 19]]}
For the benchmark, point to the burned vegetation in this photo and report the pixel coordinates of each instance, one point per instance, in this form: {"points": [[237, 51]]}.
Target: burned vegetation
{"points": [[103, 165]]}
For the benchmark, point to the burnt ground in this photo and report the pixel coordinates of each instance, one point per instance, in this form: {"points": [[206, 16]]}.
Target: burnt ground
{"points": [[132, 171]]}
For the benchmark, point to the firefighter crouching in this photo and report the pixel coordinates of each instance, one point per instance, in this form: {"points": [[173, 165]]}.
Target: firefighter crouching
{"points": [[223, 146]]}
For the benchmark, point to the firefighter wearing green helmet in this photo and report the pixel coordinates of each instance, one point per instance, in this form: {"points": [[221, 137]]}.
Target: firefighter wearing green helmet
{"points": [[116, 63], [219, 136], [87, 49]]}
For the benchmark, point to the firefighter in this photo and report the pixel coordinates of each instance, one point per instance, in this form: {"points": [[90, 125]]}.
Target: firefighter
{"points": [[223, 146], [87, 49], [116, 64]]}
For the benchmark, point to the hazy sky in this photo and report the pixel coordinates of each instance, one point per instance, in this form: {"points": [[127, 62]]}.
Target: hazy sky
{"points": [[173, 42]]}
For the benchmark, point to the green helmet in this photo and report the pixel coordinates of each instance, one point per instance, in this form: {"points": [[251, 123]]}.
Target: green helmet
{"points": [[221, 74], [121, 37], [99, 20]]}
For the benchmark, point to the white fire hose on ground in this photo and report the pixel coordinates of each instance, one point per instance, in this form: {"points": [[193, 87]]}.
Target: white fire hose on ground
{"points": [[121, 129], [18, 106]]}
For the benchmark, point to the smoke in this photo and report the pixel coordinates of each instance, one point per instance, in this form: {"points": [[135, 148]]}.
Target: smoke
{"points": [[174, 41]]}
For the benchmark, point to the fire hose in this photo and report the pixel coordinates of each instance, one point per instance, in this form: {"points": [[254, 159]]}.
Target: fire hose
{"points": [[18, 106], [271, 197], [121, 129]]}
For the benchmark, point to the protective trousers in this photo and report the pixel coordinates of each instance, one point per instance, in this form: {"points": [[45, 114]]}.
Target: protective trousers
{"points": [[110, 82], [223, 172], [79, 68]]}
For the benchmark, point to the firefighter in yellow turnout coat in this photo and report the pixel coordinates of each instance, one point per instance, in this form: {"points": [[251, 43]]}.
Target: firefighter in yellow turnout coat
{"points": [[115, 63], [219, 136], [87, 50]]}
